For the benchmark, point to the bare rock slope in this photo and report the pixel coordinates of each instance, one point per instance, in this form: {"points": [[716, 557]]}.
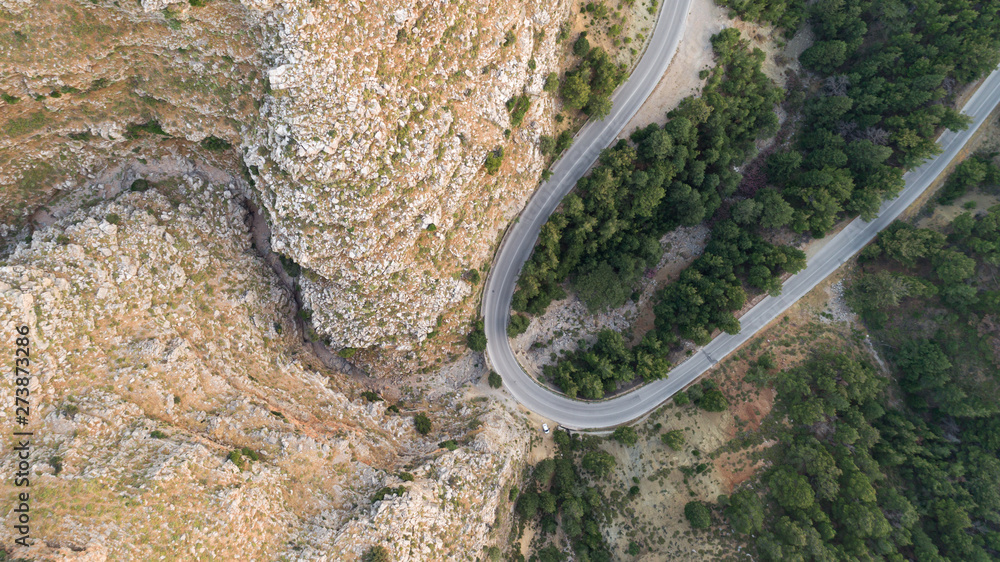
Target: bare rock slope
{"points": [[176, 416], [365, 127], [379, 121]]}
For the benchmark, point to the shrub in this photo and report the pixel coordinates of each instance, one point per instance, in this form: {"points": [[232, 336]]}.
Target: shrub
{"points": [[450, 444], [510, 38], [236, 457], [288, 264], [494, 380], [406, 477], [546, 145], [139, 185], [473, 276], [113, 218], [681, 398], [422, 423], [157, 434], [215, 144], [370, 396], [493, 160], [376, 554], [673, 439], [388, 491], [493, 552], [393, 409], [347, 352], [551, 82], [150, 127], [518, 107]]}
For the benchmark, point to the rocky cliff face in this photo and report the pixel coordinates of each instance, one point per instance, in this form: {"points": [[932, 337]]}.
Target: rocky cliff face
{"points": [[177, 413], [161, 344], [364, 127], [379, 121]]}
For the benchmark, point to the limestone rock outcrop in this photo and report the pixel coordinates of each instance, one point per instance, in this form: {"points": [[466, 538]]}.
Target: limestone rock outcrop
{"points": [[176, 414]]}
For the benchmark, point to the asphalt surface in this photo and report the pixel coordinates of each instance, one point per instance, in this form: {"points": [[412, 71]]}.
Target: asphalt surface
{"points": [[520, 239]]}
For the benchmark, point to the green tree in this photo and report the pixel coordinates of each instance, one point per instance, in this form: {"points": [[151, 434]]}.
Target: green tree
{"points": [[824, 56], [518, 325], [581, 47], [791, 490], [952, 266], [551, 82], [575, 90], [602, 287], [698, 515], [422, 423], [600, 463], [598, 106], [476, 340], [626, 435], [495, 380], [527, 504], [775, 212], [745, 512], [563, 141], [713, 401]]}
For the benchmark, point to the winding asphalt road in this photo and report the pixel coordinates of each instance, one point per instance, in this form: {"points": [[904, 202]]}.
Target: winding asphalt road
{"points": [[517, 246]]}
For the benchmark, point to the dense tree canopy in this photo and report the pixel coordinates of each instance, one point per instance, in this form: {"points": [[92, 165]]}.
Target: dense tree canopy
{"points": [[912, 473]]}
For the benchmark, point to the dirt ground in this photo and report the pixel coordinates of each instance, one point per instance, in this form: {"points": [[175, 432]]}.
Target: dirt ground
{"points": [[694, 54]]}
